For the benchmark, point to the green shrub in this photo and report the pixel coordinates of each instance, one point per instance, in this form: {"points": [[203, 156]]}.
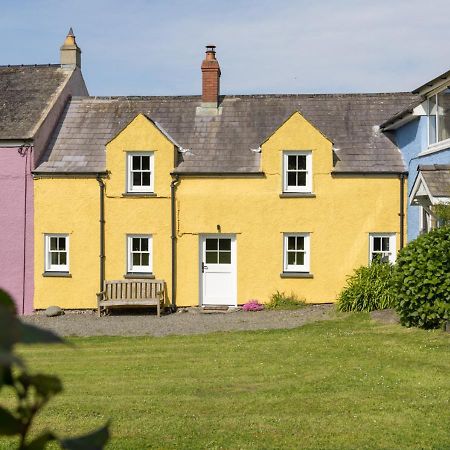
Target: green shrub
{"points": [[280, 300], [369, 288], [422, 280]]}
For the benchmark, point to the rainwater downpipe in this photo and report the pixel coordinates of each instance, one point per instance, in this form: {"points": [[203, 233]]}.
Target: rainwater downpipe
{"points": [[402, 210], [102, 232], [23, 151], [173, 237]]}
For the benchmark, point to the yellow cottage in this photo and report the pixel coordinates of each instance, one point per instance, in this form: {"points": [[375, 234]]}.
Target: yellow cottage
{"points": [[225, 198]]}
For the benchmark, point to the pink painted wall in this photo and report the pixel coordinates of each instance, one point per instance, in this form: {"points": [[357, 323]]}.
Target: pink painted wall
{"points": [[16, 253]]}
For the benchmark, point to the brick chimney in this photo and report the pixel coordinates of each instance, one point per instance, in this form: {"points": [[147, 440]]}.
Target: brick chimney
{"points": [[210, 79], [70, 52]]}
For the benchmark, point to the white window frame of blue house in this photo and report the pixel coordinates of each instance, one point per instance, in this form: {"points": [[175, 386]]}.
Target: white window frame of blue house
{"points": [[61, 252], [306, 250], [434, 142], [390, 253], [140, 188], [297, 187]]}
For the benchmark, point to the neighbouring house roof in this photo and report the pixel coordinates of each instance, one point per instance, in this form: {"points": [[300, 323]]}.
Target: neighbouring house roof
{"points": [[223, 143], [399, 117], [432, 182], [433, 84], [26, 93]]}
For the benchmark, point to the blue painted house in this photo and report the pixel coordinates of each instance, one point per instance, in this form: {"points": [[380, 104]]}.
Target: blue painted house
{"points": [[422, 133]]}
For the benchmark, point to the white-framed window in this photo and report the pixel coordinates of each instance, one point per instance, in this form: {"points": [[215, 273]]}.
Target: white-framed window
{"points": [[140, 172], [439, 117], [56, 252], [425, 224], [297, 171], [139, 253], [382, 247], [296, 252]]}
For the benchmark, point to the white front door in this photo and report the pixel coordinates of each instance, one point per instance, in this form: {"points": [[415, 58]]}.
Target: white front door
{"points": [[218, 270]]}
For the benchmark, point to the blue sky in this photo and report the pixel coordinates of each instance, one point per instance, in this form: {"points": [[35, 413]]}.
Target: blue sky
{"points": [[153, 47]]}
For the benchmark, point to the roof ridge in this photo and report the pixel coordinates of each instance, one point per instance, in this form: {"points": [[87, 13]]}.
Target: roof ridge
{"points": [[29, 65], [233, 96]]}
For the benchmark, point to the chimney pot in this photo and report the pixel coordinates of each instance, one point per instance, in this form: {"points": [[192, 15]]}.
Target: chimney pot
{"points": [[210, 78], [70, 52]]}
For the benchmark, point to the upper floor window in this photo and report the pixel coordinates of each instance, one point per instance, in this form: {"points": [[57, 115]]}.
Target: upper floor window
{"points": [[297, 171], [439, 117], [56, 253], [382, 247], [140, 176]]}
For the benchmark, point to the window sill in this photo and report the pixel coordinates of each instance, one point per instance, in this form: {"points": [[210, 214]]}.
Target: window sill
{"points": [[432, 148], [297, 195], [140, 194], [148, 276], [57, 274], [296, 275]]}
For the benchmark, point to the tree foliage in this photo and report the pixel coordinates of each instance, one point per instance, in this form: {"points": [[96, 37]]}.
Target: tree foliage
{"points": [[422, 280], [32, 391]]}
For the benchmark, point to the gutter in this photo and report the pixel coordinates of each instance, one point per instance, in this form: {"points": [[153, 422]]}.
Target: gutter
{"points": [[102, 232], [173, 237]]}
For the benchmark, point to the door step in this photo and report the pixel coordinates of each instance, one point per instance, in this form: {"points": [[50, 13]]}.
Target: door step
{"points": [[214, 309]]}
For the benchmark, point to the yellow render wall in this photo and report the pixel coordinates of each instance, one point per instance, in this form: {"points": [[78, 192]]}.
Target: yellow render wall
{"points": [[137, 214], [69, 206], [340, 218]]}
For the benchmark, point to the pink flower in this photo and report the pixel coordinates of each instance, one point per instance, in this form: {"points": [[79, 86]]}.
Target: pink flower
{"points": [[252, 305]]}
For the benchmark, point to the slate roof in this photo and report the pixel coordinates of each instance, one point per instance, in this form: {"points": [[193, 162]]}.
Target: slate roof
{"points": [[25, 94], [437, 179], [223, 143]]}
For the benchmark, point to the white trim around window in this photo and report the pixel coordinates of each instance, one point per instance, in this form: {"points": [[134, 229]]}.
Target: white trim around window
{"points": [[296, 252], [139, 253], [297, 171], [56, 252], [383, 246], [140, 172]]}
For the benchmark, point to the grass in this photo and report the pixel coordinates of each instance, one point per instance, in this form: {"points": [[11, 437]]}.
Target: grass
{"points": [[280, 300], [344, 384]]}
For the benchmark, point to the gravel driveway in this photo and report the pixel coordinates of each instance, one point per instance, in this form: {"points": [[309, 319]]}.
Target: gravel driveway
{"points": [[186, 321]]}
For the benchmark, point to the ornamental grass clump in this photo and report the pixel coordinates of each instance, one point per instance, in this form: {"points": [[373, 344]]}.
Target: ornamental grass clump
{"points": [[280, 300], [368, 288], [422, 280], [252, 305]]}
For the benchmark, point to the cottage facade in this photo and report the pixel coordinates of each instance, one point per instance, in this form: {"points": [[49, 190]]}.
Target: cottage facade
{"points": [[226, 198]]}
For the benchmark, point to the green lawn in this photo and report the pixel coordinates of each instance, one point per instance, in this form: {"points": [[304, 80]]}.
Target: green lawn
{"points": [[342, 384]]}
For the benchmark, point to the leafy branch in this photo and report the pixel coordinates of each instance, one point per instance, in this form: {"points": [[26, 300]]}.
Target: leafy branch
{"points": [[32, 391]]}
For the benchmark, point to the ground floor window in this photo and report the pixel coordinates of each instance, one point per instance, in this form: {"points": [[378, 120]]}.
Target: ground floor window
{"points": [[56, 253], [296, 252], [382, 247], [139, 251]]}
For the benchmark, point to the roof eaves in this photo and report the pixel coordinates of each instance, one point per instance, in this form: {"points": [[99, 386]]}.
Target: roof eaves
{"points": [[433, 84], [402, 117]]}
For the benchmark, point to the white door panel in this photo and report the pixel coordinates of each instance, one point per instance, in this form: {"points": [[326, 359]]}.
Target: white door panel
{"points": [[218, 270]]}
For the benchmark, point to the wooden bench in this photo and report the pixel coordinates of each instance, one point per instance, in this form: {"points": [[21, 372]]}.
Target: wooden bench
{"points": [[131, 294]]}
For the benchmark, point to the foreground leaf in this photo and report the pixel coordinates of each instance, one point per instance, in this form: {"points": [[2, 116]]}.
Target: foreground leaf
{"points": [[92, 441], [41, 441], [29, 334], [9, 425]]}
